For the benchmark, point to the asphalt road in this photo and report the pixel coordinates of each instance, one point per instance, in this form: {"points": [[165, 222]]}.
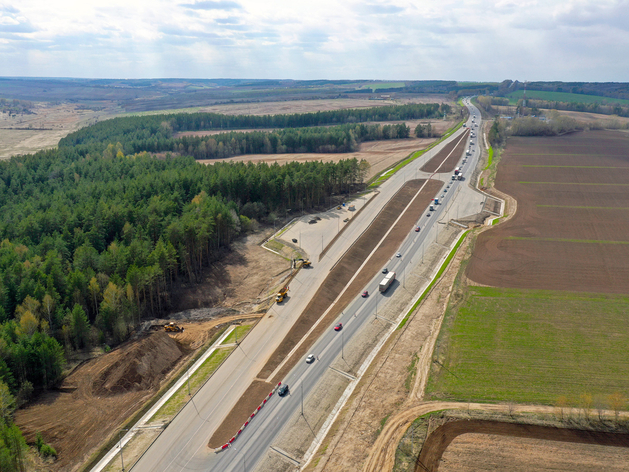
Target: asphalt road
{"points": [[183, 444]]}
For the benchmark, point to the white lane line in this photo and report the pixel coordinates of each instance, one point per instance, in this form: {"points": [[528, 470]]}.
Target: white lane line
{"points": [[376, 247]]}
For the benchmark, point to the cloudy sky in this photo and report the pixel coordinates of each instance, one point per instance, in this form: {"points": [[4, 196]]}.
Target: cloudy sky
{"points": [[569, 40]]}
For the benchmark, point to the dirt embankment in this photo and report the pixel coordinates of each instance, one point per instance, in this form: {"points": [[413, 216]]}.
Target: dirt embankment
{"points": [[439, 440]]}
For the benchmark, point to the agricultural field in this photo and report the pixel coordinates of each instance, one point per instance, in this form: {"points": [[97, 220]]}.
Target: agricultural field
{"points": [[549, 324], [563, 97], [535, 346], [571, 229]]}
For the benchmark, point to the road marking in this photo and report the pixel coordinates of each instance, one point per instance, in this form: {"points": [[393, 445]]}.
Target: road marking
{"points": [[344, 374], [285, 455], [377, 246]]}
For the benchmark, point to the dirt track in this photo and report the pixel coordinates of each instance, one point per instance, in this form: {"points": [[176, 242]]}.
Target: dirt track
{"points": [[572, 225]]}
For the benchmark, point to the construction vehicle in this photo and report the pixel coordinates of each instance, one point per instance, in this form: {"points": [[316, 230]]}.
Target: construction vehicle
{"points": [[173, 328], [306, 263], [281, 294]]}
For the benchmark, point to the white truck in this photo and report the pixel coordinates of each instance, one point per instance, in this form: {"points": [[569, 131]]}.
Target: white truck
{"points": [[387, 281]]}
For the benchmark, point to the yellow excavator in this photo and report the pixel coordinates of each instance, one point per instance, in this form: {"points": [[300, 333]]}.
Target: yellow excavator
{"points": [[173, 328]]}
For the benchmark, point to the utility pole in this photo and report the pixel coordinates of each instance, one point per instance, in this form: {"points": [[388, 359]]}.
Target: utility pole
{"points": [[189, 394], [302, 399], [120, 446], [342, 346]]}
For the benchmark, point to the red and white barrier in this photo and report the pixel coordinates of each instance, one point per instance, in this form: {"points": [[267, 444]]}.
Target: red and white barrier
{"points": [[228, 444]]}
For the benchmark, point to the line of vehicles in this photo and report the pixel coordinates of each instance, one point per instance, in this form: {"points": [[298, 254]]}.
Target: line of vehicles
{"points": [[389, 276]]}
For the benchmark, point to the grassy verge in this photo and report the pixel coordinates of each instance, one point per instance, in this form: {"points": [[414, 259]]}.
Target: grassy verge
{"points": [[274, 244], [442, 269], [377, 180], [533, 346], [178, 400], [490, 157], [238, 333]]}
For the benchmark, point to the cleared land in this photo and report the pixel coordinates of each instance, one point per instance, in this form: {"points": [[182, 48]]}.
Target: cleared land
{"points": [[489, 452], [300, 106], [596, 442], [331, 288], [571, 230], [27, 133]]}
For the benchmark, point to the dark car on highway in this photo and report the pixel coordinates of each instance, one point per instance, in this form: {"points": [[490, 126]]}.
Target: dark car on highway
{"points": [[283, 390]]}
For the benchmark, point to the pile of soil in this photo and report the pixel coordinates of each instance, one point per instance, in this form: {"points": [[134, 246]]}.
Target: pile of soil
{"points": [[136, 366], [98, 396]]}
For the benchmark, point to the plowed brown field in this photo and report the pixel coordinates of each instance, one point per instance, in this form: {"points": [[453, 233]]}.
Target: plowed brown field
{"points": [[571, 229], [437, 442]]}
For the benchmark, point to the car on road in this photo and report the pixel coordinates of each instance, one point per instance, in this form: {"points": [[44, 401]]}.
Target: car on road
{"points": [[310, 359], [338, 207], [294, 240], [398, 255], [445, 189], [442, 196], [338, 327], [428, 214], [365, 294], [385, 271], [283, 390], [417, 229]]}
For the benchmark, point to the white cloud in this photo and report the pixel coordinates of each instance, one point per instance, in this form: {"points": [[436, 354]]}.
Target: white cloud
{"points": [[377, 39]]}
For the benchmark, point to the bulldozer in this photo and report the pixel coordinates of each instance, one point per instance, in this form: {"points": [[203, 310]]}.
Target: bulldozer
{"points": [[304, 262], [281, 294], [173, 328]]}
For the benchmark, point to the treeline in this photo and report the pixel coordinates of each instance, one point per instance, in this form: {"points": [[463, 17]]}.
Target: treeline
{"points": [[150, 133], [344, 138], [555, 125], [14, 106], [603, 109]]}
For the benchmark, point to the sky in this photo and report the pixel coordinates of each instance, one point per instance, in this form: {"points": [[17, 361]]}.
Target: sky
{"points": [[479, 40]]}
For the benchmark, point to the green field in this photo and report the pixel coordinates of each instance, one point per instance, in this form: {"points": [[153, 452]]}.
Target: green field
{"points": [[532, 346], [563, 97]]}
